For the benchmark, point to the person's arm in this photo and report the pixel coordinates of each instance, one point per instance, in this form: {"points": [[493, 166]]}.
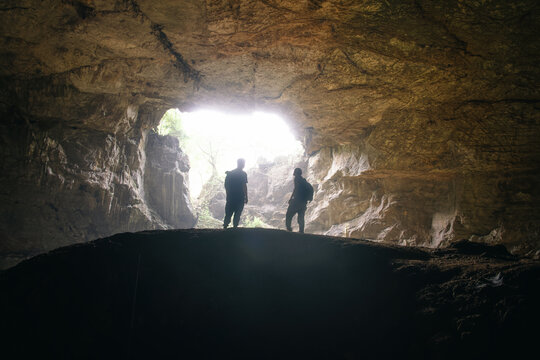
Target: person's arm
{"points": [[293, 192], [226, 182], [245, 189]]}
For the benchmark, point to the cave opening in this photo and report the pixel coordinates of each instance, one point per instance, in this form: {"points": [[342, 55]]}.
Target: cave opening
{"points": [[214, 140]]}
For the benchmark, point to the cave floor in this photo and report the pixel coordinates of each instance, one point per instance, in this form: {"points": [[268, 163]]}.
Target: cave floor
{"points": [[259, 293]]}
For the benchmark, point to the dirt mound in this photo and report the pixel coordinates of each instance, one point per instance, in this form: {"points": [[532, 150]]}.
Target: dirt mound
{"points": [[259, 293]]}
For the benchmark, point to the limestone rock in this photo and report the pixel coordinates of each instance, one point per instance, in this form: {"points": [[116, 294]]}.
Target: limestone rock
{"points": [[165, 181], [212, 198], [270, 187], [422, 208], [78, 184]]}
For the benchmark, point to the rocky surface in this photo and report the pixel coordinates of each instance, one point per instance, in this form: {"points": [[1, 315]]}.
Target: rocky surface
{"points": [[252, 293], [69, 184], [428, 208], [165, 181], [437, 100]]}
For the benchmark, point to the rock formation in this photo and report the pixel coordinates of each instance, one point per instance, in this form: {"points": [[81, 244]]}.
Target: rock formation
{"points": [[165, 181], [68, 184], [421, 117], [247, 293], [270, 188]]}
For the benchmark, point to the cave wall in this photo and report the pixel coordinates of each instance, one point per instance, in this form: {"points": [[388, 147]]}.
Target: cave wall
{"points": [[353, 199], [68, 183], [166, 181], [421, 116]]}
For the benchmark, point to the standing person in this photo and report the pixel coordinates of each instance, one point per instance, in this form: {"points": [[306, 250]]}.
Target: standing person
{"points": [[237, 196], [302, 193]]}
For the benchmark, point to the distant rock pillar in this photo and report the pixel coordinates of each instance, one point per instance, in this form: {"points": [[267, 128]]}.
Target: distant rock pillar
{"points": [[166, 181]]}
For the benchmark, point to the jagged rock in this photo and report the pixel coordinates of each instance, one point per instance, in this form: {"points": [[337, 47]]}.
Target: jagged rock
{"points": [[270, 188], [165, 181], [217, 207], [213, 198], [77, 184], [422, 208]]}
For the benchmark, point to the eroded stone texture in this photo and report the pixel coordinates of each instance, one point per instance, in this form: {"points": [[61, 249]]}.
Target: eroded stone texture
{"points": [[430, 208], [440, 98], [67, 184], [166, 179], [270, 188]]}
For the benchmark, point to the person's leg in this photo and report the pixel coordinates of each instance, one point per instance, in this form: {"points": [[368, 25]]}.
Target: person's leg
{"points": [[301, 213], [288, 217], [237, 212], [228, 214]]}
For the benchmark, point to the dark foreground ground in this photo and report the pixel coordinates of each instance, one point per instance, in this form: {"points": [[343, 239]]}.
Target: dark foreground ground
{"points": [[268, 294]]}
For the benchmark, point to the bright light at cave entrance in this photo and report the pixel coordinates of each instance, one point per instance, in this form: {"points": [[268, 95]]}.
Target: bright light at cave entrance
{"points": [[213, 139]]}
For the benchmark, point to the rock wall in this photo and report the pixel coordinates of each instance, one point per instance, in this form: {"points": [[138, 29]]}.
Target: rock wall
{"points": [[166, 181], [270, 188], [65, 184], [432, 208]]}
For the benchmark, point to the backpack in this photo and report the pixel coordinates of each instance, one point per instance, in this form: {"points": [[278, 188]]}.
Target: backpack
{"points": [[307, 190]]}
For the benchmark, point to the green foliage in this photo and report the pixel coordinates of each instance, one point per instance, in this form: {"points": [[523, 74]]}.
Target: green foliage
{"points": [[255, 222], [203, 152], [206, 221], [171, 124], [201, 168], [213, 186]]}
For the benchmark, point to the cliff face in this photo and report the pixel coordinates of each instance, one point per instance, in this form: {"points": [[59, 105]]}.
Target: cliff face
{"points": [[66, 184], [421, 117], [166, 179], [431, 208]]}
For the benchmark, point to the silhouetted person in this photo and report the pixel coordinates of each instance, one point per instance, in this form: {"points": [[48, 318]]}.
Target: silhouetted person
{"points": [[236, 189], [302, 193]]}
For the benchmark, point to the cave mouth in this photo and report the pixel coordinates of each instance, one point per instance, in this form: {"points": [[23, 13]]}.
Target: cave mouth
{"points": [[214, 140]]}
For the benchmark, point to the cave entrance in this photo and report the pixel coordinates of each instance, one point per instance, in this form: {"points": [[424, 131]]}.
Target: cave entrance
{"points": [[214, 141]]}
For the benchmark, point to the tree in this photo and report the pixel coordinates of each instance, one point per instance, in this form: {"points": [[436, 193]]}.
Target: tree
{"points": [[211, 154], [171, 124]]}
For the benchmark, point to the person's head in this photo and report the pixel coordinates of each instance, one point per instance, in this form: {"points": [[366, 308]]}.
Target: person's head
{"points": [[240, 163], [297, 172]]}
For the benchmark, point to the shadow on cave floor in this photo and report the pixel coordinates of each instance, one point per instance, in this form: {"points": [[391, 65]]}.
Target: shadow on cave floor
{"points": [[267, 294]]}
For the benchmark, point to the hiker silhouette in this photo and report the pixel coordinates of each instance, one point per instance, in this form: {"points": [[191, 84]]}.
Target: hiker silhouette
{"points": [[302, 194], [237, 196]]}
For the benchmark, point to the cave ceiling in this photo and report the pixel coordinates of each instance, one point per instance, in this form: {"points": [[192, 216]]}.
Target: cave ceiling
{"points": [[334, 68]]}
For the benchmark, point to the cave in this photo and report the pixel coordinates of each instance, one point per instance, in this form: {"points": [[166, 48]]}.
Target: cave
{"points": [[420, 124]]}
